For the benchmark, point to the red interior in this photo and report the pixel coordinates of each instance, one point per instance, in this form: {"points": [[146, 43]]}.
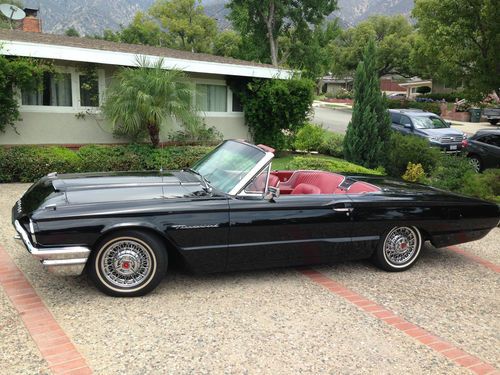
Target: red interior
{"points": [[316, 182]]}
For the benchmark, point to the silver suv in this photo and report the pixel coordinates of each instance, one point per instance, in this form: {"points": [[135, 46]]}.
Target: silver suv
{"points": [[427, 125]]}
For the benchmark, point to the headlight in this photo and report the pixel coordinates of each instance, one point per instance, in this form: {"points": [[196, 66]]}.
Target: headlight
{"points": [[435, 139]]}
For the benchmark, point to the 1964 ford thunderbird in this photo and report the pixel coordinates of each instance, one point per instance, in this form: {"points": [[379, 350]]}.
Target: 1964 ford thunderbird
{"points": [[227, 213]]}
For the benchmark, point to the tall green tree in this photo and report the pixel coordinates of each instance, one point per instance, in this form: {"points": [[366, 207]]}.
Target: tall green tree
{"points": [[370, 124], [265, 21], [142, 100], [307, 51], [394, 38], [144, 30], [228, 43], [459, 42], [187, 24], [72, 32]]}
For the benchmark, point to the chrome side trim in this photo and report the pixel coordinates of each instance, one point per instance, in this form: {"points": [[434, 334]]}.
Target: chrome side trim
{"points": [[65, 260]]}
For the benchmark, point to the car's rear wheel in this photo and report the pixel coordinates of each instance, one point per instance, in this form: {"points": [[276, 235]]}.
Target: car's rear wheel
{"points": [[128, 263], [399, 249], [475, 161]]}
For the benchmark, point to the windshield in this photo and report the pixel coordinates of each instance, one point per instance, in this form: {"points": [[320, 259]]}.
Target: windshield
{"points": [[228, 164], [429, 123]]}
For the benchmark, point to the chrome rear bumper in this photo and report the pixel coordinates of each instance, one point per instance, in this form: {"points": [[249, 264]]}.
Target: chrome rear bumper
{"points": [[64, 261]]}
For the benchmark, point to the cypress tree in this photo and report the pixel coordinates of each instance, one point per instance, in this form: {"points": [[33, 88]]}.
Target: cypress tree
{"points": [[370, 125]]}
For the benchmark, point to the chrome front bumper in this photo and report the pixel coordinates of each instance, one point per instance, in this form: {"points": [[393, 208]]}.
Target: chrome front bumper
{"points": [[63, 261]]}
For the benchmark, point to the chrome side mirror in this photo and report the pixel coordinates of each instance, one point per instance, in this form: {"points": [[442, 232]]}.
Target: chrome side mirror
{"points": [[272, 193]]}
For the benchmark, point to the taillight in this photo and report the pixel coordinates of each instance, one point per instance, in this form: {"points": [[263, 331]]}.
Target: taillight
{"points": [[465, 143]]}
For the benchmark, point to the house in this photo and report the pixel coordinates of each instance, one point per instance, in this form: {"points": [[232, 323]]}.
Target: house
{"points": [[332, 85], [66, 110], [436, 87]]}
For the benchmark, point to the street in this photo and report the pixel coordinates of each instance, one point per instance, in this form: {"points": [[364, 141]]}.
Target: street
{"points": [[334, 119]]}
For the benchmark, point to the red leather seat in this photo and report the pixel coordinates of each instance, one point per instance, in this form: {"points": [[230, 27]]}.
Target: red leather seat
{"points": [[327, 182], [260, 183], [306, 189], [361, 188]]}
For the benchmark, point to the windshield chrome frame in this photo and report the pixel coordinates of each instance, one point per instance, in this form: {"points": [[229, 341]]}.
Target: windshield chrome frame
{"points": [[243, 193], [252, 173]]}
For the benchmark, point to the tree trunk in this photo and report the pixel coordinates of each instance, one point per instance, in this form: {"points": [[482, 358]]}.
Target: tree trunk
{"points": [[273, 42], [154, 134]]}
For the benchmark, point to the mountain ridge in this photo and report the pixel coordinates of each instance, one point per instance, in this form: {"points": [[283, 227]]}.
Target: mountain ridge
{"points": [[93, 16]]}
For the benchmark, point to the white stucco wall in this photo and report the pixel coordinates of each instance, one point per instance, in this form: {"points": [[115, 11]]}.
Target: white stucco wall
{"points": [[66, 128]]}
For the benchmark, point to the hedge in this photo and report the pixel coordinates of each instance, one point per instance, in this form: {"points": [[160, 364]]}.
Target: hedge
{"points": [[450, 98], [327, 164], [407, 104], [29, 163]]}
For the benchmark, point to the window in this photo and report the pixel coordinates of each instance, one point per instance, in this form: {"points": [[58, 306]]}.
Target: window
{"points": [[491, 139], [395, 118], [89, 90], [405, 120], [55, 91], [211, 98], [413, 90], [237, 104]]}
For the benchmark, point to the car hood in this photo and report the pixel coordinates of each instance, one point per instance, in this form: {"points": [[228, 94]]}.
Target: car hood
{"points": [[444, 132], [55, 190]]}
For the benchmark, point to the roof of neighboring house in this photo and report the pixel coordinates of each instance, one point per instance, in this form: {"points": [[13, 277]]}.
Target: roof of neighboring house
{"points": [[416, 83], [388, 84], [331, 79], [61, 47]]}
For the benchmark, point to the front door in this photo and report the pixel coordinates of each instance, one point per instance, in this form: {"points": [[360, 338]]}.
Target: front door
{"points": [[288, 230]]}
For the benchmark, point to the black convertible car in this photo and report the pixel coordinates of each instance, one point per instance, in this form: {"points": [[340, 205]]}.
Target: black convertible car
{"points": [[231, 211]]}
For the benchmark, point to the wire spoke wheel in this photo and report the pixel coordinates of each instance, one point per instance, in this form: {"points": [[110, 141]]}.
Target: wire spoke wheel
{"points": [[399, 250], [126, 263]]}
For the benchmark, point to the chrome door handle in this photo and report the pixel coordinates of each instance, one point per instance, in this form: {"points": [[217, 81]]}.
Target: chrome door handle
{"points": [[347, 210], [342, 209]]}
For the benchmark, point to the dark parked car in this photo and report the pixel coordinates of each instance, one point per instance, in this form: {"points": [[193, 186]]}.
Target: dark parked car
{"points": [[227, 213], [483, 149], [427, 125]]}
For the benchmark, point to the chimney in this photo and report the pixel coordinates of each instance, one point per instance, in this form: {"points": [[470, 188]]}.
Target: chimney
{"points": [[31, 23]]}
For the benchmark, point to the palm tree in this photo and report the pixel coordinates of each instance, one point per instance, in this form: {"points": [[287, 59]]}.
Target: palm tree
{"points": [[142, 99]]}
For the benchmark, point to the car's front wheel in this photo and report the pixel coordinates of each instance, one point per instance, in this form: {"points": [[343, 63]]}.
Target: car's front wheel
{"points": [[399, 249], [128, 263], [475, 161]]}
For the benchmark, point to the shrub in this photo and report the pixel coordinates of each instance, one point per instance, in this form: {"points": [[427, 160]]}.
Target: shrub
{"points": [[338, 165], [456, 174], [343, 94], [402, 150], [201, 135], [450, 98], [309, 138], [414, 173], [29, 163], [314, 138], [332, 144], [405, 104], [273, 107]]}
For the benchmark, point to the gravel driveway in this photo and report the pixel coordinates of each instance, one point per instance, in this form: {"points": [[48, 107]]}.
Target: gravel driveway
{"points": [[267, 322]]}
